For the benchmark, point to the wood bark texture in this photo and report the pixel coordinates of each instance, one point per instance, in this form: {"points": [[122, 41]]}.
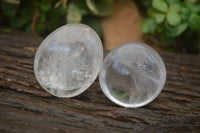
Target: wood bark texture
{"points": [[26, 107]]}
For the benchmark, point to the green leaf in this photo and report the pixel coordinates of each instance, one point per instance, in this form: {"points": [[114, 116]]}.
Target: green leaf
{"points": [[92, 6], [173, 18], [185, 12], [100, 8], [148, 26], [74, 14], [170, 2], [160, 5], [45, 7], [194, 21], [175, 8], [151, 11], [180, 29], [195, 8], [175, 31], [159, 17], [82, 6]]}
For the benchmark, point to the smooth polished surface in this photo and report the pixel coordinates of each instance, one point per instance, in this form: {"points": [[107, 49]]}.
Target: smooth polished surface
{"points": [[132, 75], [68, 61]]}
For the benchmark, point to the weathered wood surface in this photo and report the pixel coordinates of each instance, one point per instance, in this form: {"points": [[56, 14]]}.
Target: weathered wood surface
{"points": [[26, 107]]}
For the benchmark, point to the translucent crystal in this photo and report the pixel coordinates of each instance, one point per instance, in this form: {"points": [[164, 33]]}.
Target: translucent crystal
{"points": [[132, 75], [68, 60]]}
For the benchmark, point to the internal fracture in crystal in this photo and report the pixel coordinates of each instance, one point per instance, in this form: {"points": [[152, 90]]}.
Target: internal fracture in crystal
{"points": [[132, 75], [68, 60]]}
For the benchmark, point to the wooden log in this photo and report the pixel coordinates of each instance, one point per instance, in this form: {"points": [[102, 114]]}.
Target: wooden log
{"points": [[26, 107]]}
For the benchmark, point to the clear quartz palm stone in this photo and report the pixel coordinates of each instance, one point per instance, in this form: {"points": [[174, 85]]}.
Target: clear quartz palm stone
{"points": [[132, 75], [68, 61]]}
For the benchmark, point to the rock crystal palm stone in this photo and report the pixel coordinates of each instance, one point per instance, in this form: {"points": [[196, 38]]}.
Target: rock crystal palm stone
{"points": [[68, 61], [132, 75]]}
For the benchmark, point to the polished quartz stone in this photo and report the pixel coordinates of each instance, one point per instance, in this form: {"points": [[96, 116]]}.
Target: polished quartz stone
{"points": [[132, 75], [68, 61]]}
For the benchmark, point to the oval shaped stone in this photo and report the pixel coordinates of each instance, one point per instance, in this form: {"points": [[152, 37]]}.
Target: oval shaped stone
{"points": [[68, 60], [132, 75]]}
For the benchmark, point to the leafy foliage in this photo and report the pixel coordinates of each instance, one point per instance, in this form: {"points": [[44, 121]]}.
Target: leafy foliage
{"points": [[174, 18], [44, 16]]}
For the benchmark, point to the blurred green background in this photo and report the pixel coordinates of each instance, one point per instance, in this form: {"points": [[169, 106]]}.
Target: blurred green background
{"points": [[172, 22]]}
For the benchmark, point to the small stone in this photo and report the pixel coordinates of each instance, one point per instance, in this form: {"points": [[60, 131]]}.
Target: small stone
{"points": [[68, 61], [133, 74]]}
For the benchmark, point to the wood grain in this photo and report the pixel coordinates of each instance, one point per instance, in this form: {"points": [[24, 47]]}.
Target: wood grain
{"points": [[26, 107]]}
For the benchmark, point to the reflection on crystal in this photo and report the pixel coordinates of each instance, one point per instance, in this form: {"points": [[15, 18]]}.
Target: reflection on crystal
{"points": [[132, 75], [68, 60]]}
